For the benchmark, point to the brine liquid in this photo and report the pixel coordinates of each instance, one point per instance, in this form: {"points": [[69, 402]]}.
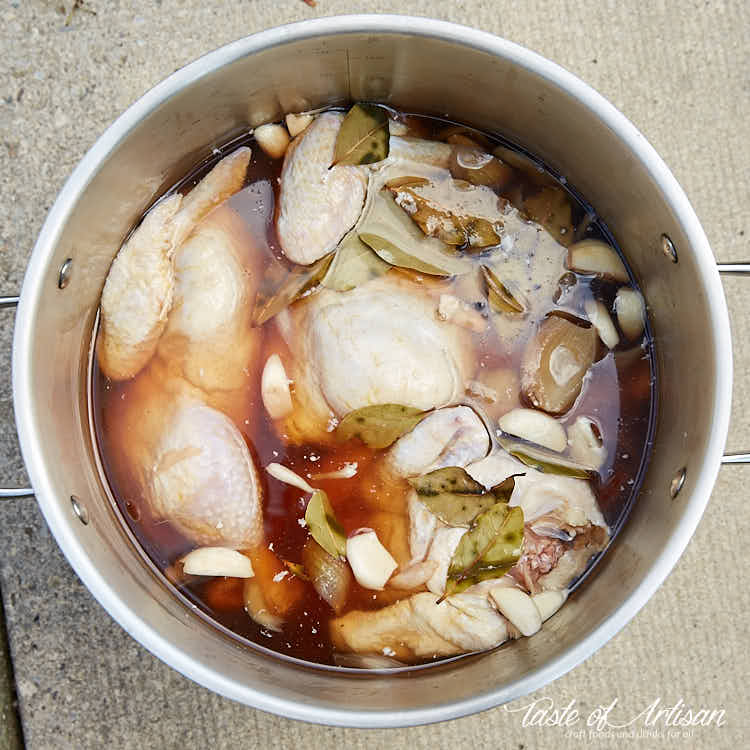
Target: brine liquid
{"points": [[618, 393]]}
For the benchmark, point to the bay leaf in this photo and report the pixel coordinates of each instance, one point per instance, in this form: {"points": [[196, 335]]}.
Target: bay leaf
{"points": [[297, 283], [397, 240], [354, 263], [544, 460], [380, 425], [489, 549], [364, 136], [468, 233], [500, 299], [325, 529], [455, 498]]}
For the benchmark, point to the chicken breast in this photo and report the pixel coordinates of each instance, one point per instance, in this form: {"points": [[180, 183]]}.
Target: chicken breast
{"points": [[139, 288], [380, 343]]}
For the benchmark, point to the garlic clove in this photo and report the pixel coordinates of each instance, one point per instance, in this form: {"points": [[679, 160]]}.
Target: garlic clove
{"points": [[631, 312], [596, 257], [371, 562], [548, 602], [536, 427], [274, 388], [295, 124], [286, 475], [273, 139], [601, 320], [217, 561], [518, 607], [585, 442], [257, 607]]}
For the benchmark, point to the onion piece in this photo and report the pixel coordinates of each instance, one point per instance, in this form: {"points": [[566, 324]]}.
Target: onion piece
{"points": [[598, 258], [535, 426], [217, 561], [585, 443], [286, 475], [554, 362], [601, 320], [274, 388], [330, 576], [371, 562], [273, 139], [257, 607], [631, 312]]}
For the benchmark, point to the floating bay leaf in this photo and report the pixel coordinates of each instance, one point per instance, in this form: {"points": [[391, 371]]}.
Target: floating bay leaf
{"points": [[381, 425], [500, 299], [353, 264], [325, 529], [397, 240], [297, 283], [489, 549], [363, 137], [457, 499], [465, 232], [543, 459]]}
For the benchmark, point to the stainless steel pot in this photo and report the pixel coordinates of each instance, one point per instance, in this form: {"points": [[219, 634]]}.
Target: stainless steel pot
{"points": [[424, 66]]}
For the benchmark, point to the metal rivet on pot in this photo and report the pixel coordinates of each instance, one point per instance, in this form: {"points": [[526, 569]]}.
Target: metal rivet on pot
{"points": [[79, 510], [678, 480], [668, 248], [66, 270]]}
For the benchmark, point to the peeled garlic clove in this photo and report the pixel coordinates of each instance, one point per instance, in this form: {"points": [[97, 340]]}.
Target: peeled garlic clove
{"points": [[371, 562], [274, 388], [631, 312], [548, 602], [217, 561], [586, 444], [257, 607], [601, 320], [518, 608], [295, 124], [283, 474], [536, 427], [273, 139], [596, 257]]}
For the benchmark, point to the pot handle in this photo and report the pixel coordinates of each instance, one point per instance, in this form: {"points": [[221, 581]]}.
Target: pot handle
{"points": [[20, 491], [735, 269]]}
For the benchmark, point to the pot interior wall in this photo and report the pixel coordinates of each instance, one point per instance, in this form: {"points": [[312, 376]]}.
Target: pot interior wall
{"points": [[156, 141]]}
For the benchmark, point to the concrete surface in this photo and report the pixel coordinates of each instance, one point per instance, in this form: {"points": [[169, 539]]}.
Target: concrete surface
{"points": [[679, 70]]}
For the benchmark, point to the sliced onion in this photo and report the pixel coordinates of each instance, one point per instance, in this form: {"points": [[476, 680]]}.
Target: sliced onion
{"points": [[330, 576], [596, 257], [554, 363], [295, 124], [257, 607], [631, 312], [535, 426], [602, 321]]}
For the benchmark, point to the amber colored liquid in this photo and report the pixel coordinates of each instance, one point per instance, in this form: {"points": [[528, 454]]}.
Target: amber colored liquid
{"points": [[619, 393]]}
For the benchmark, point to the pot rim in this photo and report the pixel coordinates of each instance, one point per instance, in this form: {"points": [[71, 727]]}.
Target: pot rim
{"points": [[30, 439]]}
